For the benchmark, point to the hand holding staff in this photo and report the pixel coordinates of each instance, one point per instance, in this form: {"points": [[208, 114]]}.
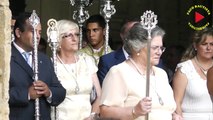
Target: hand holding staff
{"points": [[38, 89]]}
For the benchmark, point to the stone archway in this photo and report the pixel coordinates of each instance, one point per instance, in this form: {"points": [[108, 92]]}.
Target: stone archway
{"points": [[5, 52]]}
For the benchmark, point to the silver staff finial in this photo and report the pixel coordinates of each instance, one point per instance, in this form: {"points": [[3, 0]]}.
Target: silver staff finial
{"points": [[107, 12], [34, 19], [80, 15], [149, 21], [80, 2], [52, 31]]}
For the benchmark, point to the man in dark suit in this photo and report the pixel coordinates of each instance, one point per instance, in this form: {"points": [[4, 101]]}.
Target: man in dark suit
{"points": [[116, 57], [23, 90]]}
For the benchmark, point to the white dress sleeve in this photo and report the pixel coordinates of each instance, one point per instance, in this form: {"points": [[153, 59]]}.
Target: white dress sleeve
{"points": [[187, 68]]}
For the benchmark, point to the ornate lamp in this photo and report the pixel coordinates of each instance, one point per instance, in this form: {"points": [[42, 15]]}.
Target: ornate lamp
{"points": [[80, 15], [107, 11]]}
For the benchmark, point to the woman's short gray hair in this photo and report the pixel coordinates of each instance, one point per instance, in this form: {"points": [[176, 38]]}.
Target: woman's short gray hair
{"points": [[137, 37]]}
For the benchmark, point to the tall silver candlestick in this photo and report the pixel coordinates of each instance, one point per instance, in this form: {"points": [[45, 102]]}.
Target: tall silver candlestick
{"points": [[107, 12], [52, 34], [80, 15], [34, 21], [148, 21]]}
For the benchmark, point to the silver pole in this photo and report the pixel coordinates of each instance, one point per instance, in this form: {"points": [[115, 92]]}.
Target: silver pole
{"points": [[34, 21], [107, 39], [52, 34], [80, 15], [148, 21], [107, 12]]}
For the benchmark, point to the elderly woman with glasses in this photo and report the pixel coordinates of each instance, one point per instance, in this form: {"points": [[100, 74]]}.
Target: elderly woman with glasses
{"points": [[124, 87], [77, 73]]}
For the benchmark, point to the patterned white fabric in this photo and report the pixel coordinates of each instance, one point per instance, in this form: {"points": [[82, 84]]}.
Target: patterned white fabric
{"points": [[76, 106]]}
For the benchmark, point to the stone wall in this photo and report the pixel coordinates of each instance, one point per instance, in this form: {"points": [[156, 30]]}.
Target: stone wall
{"points": [[5, 40]]}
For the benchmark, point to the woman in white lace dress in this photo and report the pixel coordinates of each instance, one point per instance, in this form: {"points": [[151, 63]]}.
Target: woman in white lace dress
{"points": [[77, 73], [189, 82]]}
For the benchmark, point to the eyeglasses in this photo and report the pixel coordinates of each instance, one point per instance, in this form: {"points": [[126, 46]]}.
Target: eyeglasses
{"points": [[158, 48], [70, 35]]}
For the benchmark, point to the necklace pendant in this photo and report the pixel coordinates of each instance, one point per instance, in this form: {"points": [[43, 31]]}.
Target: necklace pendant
{"points": [[160, 100], [205, 72], [77, 90]]}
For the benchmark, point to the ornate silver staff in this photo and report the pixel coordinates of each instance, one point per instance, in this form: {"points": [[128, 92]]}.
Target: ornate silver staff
{"points": [[148, 21], [34, 21], [80, 15], [52, 34], [107, 12]]}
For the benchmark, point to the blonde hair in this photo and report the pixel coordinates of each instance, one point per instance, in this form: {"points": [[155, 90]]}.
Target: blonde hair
{"points": [[64, 26], [197, 38]]}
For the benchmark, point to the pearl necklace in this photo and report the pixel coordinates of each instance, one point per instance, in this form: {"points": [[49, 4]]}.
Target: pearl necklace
{"points": [[77, 89], [204, 71], [160, 100]]}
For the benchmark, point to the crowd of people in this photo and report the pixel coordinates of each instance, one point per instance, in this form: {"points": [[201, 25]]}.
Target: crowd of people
{"points": [[180, 88]]}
